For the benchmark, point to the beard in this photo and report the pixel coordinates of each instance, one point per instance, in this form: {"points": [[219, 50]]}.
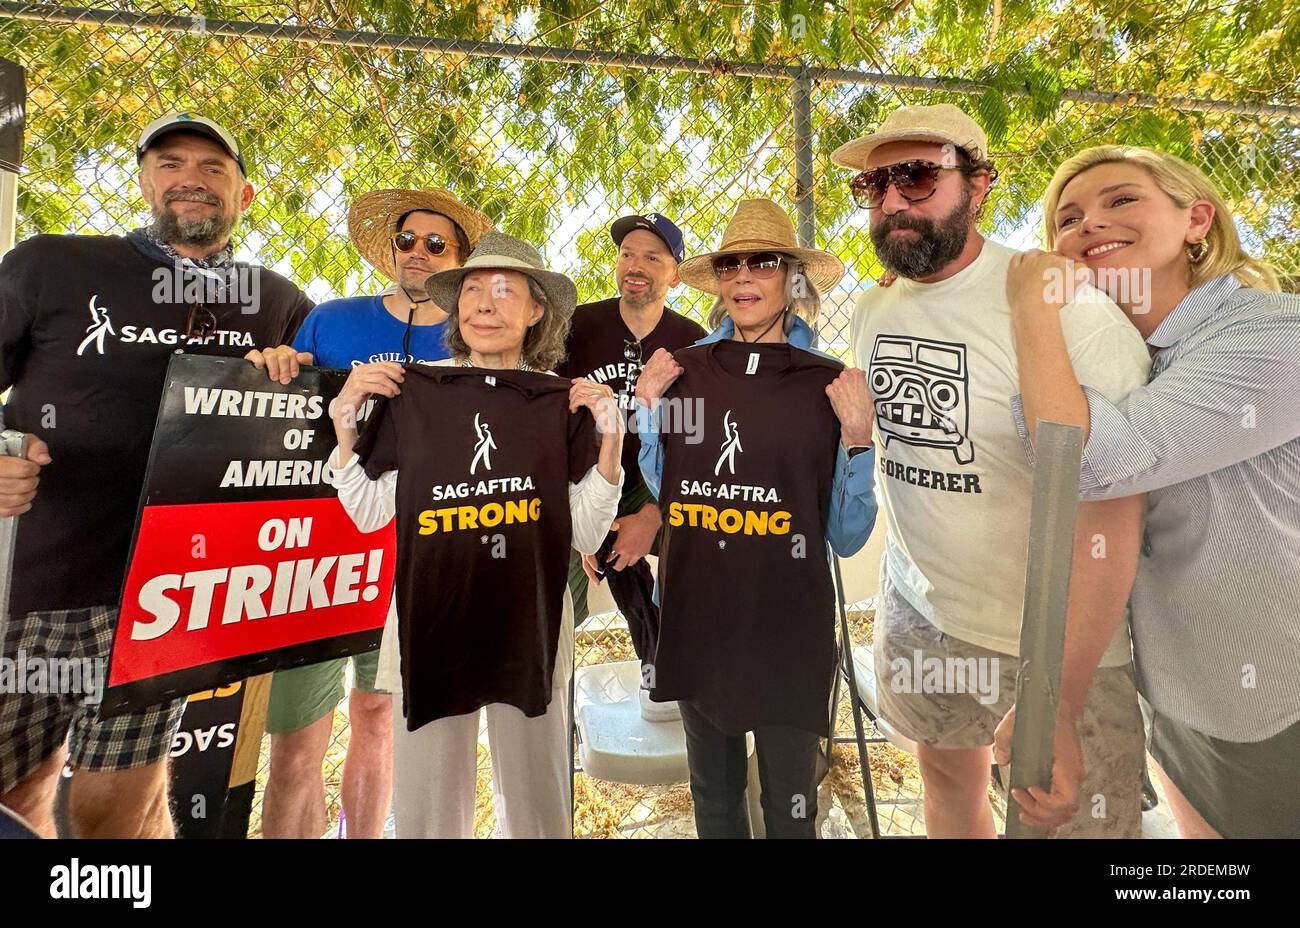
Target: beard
{"points": [[941, 241], [414, 282], [647, 297], [197, 233]]}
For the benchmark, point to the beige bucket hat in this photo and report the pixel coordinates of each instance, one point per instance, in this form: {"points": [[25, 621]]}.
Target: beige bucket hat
{"points": [[761, 225], [498, 251], [942, 123], [372, 220]]}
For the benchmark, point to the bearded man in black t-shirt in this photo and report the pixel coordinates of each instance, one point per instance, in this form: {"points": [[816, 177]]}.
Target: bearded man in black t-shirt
{"points": [[88, 324], [609, 342]]}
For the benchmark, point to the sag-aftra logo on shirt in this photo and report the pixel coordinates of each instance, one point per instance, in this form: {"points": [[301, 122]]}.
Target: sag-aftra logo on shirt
{"points": [[101, 327], [730, 445], [481, 515], [729, 519], [483, 445]]}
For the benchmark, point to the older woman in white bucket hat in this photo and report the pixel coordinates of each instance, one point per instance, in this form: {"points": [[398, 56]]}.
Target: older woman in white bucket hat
{"points": [[782, 467], [483, 620], [405, 235]]}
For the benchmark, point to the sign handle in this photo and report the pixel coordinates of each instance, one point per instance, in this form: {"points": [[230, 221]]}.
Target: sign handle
{"points": [[1054, 506]]}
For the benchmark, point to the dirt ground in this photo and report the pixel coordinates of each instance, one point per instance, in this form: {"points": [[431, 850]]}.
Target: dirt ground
{"points": [[603, 809]]}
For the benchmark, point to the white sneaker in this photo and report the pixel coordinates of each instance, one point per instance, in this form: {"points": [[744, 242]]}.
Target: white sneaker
{"points": [[658, 711]]}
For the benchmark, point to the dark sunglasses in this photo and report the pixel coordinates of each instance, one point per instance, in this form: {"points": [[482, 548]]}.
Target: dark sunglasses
{"points": [[916, 181], [631, 352], [201, 322], [762, 265], [433, 244]]}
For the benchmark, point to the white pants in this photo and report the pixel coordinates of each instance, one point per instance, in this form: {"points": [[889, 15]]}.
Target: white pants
{"points": [[434, 767]]}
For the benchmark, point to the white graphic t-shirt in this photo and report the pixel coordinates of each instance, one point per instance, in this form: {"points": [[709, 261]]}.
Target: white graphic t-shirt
{"points": [[952, 477]]}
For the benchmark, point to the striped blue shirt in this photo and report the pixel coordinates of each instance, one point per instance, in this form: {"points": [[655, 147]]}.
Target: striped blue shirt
{"points": [[1214, 440]]}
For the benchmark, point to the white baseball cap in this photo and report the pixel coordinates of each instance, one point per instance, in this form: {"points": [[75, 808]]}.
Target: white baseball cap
{"points": [[188, 122], [942, 123]]}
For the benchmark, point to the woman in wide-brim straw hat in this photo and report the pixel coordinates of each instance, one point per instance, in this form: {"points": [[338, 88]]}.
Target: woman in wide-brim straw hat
{"points": [[747, 620], [761, 228], [509, 317]]}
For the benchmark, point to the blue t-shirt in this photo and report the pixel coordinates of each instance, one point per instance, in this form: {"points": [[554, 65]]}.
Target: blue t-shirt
{"points": [[358, 330]]}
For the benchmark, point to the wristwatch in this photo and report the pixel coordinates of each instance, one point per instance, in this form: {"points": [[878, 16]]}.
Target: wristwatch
{"points": [[857, 449]]}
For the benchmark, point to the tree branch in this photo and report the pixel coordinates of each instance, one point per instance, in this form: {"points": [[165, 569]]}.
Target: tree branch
{"points": [[749, 165], [886, 21], [573, 21], [373, 80], [994, 27]]}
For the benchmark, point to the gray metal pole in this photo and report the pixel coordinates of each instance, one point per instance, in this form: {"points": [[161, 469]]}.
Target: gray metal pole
{"points": [[805, 207], [12, 443], [8, 210], [1058, 451]]}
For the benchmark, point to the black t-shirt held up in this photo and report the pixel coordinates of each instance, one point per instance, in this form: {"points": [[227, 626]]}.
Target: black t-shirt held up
{"points": [[747, 603], [484, 460], [87, 326], [596, 346]]}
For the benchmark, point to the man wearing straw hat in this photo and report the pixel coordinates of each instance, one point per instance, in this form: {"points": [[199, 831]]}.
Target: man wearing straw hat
{"points": [[405, 235], [954, 485]]}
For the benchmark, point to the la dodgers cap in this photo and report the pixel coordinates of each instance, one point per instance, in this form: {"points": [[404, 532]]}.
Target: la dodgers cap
{"points": [[659, 224]]}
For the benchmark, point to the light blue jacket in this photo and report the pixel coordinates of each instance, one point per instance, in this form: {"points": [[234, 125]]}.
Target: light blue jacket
{"points": [[852, 512]]}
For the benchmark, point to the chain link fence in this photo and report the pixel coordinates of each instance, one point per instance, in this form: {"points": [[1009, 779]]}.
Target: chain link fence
{"points": [[331, 100]]}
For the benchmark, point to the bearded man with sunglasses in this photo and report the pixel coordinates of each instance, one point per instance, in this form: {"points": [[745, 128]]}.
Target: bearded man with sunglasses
{"points": [[406, 236], [88, 324], [609, 343], [955, 489]]}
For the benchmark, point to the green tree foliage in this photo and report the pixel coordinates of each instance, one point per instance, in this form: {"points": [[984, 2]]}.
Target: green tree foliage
{"points": [[554, 150]]}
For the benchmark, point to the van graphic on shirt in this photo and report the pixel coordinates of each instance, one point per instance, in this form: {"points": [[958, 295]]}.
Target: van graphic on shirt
{"points": [[730, 445], [922, 392], [483, 446], [100, 326]]}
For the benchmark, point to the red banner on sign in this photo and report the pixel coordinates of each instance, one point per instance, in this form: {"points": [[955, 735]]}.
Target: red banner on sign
{"points": [[214, 581]]}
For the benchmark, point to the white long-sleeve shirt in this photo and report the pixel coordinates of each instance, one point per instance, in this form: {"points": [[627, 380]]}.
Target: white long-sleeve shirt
{"points": [[371, 504]]}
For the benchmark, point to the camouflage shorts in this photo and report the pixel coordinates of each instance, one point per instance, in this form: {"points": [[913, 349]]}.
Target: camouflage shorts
{"points": [[946, 693]]}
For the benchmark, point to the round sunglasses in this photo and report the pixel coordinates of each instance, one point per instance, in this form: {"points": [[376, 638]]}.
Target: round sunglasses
{"points": [[433, 244], [762, 265]]}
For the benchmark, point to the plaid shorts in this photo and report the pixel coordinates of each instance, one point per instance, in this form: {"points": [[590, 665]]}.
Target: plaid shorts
{"points": [[57, 663]]}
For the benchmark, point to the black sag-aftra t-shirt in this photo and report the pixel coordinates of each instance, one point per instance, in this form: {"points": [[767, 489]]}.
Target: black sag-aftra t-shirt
{"points": [[484, 460], [747, 603], [596, 350], [88, 324]]}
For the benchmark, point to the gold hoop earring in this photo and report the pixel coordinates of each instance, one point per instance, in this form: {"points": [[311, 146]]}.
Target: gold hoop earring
{"points": [[1198, 251]]}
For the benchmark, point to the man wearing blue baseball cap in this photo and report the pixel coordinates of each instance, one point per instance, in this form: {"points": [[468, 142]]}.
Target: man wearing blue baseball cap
{"points": [[609, 342]]}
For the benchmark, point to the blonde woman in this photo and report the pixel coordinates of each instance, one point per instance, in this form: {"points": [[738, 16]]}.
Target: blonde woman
{"points": [[1214, 442]]}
